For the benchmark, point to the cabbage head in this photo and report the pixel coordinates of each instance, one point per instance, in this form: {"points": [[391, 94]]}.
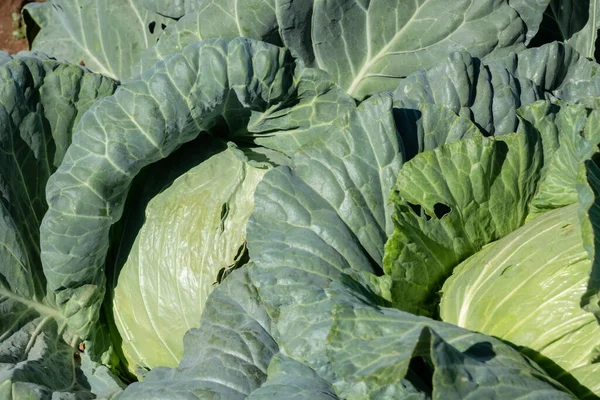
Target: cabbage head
{"points": [[526, 288], [163, 287]]}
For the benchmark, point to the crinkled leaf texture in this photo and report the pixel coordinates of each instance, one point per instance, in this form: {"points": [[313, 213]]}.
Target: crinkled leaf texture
{"points": [[40, 101], [450, 202], [316, 244]]}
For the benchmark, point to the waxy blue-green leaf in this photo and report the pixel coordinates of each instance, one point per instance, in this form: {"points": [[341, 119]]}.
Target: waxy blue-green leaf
{"points": [[367, 46], [40, 101], [290, 379], [329, 207], [172, 9], [106, 36], [532, 13], [488, 95], [558, 69]]}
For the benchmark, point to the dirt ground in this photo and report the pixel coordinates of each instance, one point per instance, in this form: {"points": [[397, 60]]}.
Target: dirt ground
{"points": [[7, 42]]}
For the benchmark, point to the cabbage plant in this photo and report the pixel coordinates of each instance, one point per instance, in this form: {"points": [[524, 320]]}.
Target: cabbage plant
{"points": [[301, 199]]}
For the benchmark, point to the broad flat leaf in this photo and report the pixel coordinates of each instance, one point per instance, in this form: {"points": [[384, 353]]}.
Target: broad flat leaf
{"points": [[40, 101], [325, 215], [162, 289], [213, 88], [449, 203], [227, 357], [488, 95], [379, 346], [205, 19], [77, 31], [367, 46], [542, 270], [289, 379]]}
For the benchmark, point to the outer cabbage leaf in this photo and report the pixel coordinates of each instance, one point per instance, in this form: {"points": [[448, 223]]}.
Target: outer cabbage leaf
{"points": [[526, 288], [329, 208], [40, 101], [172, 9], [562, 129], [76, 31], [532, 13], [450, 202], [558, 69], [191, 232], [367, 46]]}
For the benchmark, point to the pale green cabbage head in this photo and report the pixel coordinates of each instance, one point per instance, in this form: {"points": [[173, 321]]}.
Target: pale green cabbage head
{"points": [[526, 288], [193, 230]]}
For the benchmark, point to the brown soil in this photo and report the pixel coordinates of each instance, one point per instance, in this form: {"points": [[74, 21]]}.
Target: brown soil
{"points": [[7, 43]]}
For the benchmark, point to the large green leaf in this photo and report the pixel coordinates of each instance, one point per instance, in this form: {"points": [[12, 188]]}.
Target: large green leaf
{"points": [[557, 68], [290, 379], [171, 9], [107, 36], [532, 13], [568, 132], [450, 202], [330, 206], [368, 45], [40, 101]]}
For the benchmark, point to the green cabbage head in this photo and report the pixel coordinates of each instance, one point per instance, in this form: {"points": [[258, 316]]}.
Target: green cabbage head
{"points": [[162, 288], [526, 288]]}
